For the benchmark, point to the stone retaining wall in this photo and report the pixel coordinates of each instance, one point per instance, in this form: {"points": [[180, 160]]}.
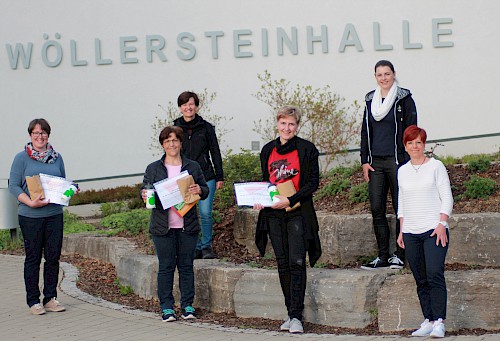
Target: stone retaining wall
{"points": [[343, 298], [473, 301], [474, 238]]}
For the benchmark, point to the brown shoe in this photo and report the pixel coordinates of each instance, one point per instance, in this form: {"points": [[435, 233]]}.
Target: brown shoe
{"points": [[54, 305], [37, 309]]}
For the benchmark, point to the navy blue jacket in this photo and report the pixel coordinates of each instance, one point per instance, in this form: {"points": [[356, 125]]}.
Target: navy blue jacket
{"points": [[404, 113]]}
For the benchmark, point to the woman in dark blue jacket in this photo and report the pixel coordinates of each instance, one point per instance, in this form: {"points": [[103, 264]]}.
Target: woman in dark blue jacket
{"points": [[174, 236], [389, 111]]}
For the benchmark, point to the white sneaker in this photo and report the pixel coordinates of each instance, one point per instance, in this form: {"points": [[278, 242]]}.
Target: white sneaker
{"points": [[424, 330], [438, 329], [296, 326], [395, 262], [286, 325]]}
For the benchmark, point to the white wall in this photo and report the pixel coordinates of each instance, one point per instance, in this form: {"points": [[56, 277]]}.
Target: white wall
{"points": [[101, 114]]}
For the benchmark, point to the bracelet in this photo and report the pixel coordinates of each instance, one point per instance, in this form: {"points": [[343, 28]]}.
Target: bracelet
{"points": [[444, 223]]}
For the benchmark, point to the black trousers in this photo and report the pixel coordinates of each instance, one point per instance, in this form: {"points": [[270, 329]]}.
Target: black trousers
{"points": [[41, 235], [383, 179], [287, 236], [426, 260]]}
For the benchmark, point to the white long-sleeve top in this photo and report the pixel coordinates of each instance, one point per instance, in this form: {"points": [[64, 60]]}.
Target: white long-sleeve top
{"points": [[423, 196]]}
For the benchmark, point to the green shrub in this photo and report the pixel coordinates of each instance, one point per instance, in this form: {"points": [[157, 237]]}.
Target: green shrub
{"points": [[320, 265], [478, 187], [72, 224], [241, 167], [342, 171], [125, 290], [480, 165], [109, 208], [6, 243], [336, 185], [217, 216], [135, 203], [447, 160], [359, 193], [339, 180], [472, 157], [133, 221]]}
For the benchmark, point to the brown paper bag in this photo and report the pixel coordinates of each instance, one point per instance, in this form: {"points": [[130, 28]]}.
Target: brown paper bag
{"points": [[184, 184], [35, 187], [287, 189]]}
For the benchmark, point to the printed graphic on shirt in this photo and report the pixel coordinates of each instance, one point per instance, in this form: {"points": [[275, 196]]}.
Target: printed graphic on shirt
{"points": [[281, 170], [284, 167]]}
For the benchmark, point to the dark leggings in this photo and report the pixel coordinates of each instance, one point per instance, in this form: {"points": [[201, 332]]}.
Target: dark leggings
{"points": [[383, 179], [287, 237]]}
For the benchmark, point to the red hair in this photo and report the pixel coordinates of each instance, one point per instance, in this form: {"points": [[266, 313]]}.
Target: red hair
{"points": [[412, 132]]}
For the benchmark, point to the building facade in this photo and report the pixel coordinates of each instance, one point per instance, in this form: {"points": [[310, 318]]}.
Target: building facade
{"points": [[98, 71]]}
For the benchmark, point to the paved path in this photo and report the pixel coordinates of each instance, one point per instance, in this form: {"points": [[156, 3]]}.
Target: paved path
{"points": [[90, 319]]}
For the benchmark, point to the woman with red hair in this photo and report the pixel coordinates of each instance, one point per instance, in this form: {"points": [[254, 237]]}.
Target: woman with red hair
{"points": [[425, 203]]}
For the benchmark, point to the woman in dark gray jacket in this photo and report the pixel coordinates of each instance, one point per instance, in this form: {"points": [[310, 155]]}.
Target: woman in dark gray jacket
{"points": [[202, 146], [174, 237]]}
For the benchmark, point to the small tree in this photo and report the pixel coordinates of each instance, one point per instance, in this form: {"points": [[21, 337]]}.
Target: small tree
{"points": [[326, 121], [171, 112]]}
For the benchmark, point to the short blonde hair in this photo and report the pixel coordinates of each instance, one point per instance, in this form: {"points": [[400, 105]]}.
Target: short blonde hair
{"points": [[289, 111]]}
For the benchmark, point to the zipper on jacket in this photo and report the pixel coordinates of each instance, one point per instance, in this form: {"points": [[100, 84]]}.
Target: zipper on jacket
{"points": [[396, 134]]}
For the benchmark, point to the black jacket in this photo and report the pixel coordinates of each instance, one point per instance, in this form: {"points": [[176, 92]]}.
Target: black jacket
{"points": [[156, 171], [405, 115], [308, 184], [200, 143]]}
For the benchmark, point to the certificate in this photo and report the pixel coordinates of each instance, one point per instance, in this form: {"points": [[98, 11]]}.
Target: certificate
{"points": [[250, 193], [54, 188], [168, 191]]}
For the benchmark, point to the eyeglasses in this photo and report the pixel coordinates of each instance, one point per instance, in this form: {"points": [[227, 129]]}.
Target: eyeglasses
{"points": [[38, 134], [174, 141]]}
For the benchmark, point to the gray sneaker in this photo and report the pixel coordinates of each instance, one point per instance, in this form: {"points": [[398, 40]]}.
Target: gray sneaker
{"points": [[296, 326], [37, 309], [286, 325], [54, 305]]}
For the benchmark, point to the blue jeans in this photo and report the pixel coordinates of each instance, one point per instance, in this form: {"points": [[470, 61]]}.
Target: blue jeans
{"points": [[175, 249], [288, 239], [381, 180], [426, 261], [206, 206], [41, 235]]}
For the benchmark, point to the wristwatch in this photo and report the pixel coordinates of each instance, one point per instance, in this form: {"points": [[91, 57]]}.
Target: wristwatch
{"points": [[444, 223]]}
